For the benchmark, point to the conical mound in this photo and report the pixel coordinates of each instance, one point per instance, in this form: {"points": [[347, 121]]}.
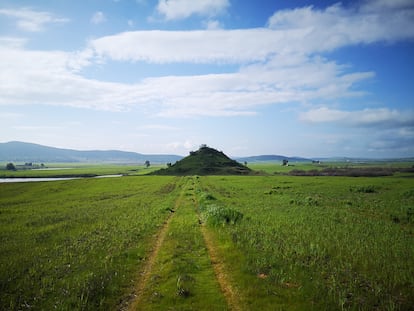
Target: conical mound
{"points": [[205, 161]]}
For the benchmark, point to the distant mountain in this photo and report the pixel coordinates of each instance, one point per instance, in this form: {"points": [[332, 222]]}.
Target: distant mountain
{"points": [[205, 161], [364, 160], [271, 158], [27, 152]]}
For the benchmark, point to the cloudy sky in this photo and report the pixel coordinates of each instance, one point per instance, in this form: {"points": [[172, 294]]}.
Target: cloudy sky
{"points": [[298, 78]]}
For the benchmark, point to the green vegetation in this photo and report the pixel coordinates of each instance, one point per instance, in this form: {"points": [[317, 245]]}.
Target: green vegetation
{"points": [[270, 242], [318, 243], [183, 276], [205, 161], [350, 169], [75, 245], [78, 170]]}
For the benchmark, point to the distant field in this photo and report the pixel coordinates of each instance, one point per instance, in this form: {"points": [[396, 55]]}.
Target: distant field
{"points": [[71, 169], [278, 168], [270, 242]]}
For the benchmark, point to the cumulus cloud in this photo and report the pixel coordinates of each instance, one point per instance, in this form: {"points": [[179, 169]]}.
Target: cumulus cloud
{"points": [[337, 26], [12, 42], [30, 20], [55, 78], [197, 46], [213, 24], [299, 31], [276, 65], [98, 18], [181, 9], [382, 117]]}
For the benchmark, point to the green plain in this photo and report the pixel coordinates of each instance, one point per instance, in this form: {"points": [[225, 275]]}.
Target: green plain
{"points": [[302, 243]]}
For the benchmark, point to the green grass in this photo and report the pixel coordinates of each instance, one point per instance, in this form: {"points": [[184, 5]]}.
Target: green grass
{"points": [[277, 168], [205, 161], [316, 243], [183, 278], [75, 245], [70, 169], [287, 242]]}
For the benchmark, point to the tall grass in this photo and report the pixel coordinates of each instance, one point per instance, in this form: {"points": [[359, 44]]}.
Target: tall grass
{"points": [[323, 243], [75, 245]]}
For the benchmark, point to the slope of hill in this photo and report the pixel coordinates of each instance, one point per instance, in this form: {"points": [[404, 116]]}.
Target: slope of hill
{"points": [[205, 161], [27, 152]]}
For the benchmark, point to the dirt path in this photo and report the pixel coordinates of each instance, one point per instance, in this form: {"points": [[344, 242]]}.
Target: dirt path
{"points": [[229, 292], [135, 297], [222, 277]]}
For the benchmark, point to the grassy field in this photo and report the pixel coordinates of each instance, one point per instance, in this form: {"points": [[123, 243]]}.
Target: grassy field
{"points": [[322, 243], [194, 243], [277, 168], [79, 169], [76, 245]]}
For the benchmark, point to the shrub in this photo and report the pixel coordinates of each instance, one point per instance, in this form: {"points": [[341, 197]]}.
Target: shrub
{"points": [[363, 189], [10, 167], [216, 215]]}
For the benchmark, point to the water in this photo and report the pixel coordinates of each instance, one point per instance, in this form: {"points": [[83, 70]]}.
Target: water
{"points": [[39, 179], [34, 179]]}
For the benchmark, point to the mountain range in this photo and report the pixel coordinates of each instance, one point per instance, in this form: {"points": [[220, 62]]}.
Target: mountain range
{"points": [[16, 151]]}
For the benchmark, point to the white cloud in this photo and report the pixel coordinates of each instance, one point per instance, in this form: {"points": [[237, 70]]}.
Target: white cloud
{"points": [[177, 145], [380, 117], [30, 20], [181, 9], [275, 66], [12, 42], [213, 25], [300, 31], [54, 78], [98, 18], [337, 26], [375, 5], [199, 46], [158, 127]]}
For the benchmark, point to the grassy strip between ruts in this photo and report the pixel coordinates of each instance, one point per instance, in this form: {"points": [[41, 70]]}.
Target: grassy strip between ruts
{"points": [[183, 277], [75, 245]]}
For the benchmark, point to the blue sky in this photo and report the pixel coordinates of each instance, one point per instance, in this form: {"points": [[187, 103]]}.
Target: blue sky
{"points": [[298, 78]]}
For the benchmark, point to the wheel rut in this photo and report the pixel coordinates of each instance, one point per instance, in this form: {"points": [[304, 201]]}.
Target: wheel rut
{"points": [[135, 297], [231, 297], [220, 271]]}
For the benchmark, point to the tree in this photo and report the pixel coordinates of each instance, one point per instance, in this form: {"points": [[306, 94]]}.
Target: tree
{"points": [[147, 164], [10, 167]]}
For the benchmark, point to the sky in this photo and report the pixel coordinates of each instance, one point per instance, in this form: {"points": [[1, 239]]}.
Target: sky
{"points": [[289, 77]]}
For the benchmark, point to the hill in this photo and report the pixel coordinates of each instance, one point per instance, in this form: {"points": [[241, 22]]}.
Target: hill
{"points": [[27, 152], [205, 161]]}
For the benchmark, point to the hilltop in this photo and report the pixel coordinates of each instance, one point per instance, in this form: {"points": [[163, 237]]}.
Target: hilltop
{"points": [[205, 161]]}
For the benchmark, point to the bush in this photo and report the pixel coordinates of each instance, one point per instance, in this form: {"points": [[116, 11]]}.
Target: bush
{"points": [[363, 189], [216, 215], [10, 167]]}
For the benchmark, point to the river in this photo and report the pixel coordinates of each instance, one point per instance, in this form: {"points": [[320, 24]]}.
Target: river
{"points": [[38, 179]]}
